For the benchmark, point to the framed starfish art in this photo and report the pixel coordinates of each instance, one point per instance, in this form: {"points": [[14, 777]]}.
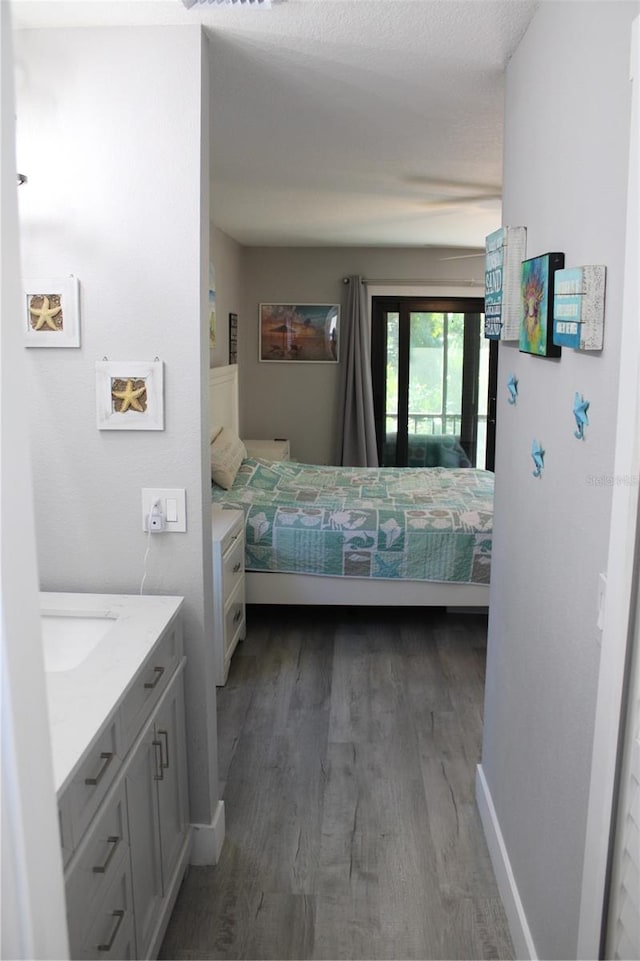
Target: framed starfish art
{"points": [[52, 312], [129, 395]]}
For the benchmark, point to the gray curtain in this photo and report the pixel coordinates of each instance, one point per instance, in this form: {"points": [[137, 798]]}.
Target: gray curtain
{"points": [[356, 426]]}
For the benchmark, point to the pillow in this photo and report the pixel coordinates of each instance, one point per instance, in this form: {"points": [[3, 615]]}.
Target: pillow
{"points": [[227, 452]]}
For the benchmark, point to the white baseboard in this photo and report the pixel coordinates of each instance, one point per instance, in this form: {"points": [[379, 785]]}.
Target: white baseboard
{"points": [[208, 839], [523, 942]]}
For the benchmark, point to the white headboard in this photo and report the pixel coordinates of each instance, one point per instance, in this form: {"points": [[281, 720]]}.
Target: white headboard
{"points": [[223, 397]]}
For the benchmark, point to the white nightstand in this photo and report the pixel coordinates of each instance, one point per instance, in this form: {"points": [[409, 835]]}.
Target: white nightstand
{"points": [[229, 622], [277, 449]]}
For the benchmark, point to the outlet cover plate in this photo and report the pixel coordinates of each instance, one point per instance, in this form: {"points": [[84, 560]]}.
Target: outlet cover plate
{"points": [[152, 494]]}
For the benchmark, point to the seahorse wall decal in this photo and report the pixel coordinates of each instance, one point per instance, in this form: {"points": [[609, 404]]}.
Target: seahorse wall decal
{"points": [[537, 454]]}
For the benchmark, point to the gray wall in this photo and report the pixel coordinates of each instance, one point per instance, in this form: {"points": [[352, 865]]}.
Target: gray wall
{"points": [[298, 401], [227, 257], [116, 196], [566, 154]]}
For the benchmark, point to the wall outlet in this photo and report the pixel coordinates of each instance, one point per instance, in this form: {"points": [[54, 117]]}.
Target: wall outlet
{"points": [[173, 504]]}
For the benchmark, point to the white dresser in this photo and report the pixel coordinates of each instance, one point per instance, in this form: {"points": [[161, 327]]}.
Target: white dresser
{"points": [[277, 449], [229, 621]]}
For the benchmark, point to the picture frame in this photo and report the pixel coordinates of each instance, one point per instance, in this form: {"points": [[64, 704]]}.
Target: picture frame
{"points": [[52, 312], [233, 338], [536, 292], [299, 333], [130, 395]]}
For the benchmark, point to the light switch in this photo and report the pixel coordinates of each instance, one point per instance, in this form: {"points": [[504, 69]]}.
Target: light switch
{"points": [[172, 503]]}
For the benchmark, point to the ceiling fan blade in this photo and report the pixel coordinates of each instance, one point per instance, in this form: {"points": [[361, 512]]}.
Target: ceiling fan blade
{"points": [[463, 257], [459, 201]]}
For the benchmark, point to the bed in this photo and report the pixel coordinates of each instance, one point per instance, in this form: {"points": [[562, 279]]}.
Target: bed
{"points": [[385, 536]]}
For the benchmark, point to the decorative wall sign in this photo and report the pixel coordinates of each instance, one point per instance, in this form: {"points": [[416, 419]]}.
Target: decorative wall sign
{"points": [[512, 387], [52, 312], [537, 454], [536, 290], [129, 395], [299, 332], [505, 250], [233, 338], [578, 307], [580, 408]]}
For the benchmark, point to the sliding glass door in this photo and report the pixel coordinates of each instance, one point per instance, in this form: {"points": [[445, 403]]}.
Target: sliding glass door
{"points": [[433, 382]]}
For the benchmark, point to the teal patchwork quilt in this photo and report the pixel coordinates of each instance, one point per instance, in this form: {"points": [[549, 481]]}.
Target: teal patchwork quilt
{"points": [[422, 524]]}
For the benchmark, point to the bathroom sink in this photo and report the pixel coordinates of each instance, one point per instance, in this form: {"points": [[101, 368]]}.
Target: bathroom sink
{"points": [[68, 638]]}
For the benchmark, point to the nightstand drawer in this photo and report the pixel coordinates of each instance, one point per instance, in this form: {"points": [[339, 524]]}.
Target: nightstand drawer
{"points": [[226, 527], [233, 566], [234, 618]]}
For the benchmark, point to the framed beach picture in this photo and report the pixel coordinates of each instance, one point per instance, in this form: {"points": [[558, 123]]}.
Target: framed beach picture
{"points": [[536, 292], [299, 333], [129, 395], [52, 312]]}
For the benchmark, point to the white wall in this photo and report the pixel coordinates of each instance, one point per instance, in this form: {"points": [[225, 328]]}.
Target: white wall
{"points": [[566, 150], [299, 401], [111, 136]]}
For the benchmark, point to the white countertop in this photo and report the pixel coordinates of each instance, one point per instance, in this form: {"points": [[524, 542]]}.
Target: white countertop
{"points": [[81, 700]]}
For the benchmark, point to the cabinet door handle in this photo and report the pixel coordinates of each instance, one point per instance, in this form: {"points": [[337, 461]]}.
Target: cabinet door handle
{"points": [[160, 767], [237, 567], [237, 615], [119, 915], [159, 671], [107, 757], [165, 735], [102, 868]]}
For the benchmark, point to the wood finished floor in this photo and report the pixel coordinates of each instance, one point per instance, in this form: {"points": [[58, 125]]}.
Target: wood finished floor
{"points": [[348, 741]]}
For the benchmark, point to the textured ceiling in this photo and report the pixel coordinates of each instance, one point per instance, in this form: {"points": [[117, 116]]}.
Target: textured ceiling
{"points": [[345, 122]]}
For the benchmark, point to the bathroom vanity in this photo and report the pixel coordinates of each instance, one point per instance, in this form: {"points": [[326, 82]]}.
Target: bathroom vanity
{"points": [[114, 669]]}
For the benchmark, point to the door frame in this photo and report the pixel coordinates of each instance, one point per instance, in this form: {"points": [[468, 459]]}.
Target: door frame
{"points": [[429, 303], [618, 634]]}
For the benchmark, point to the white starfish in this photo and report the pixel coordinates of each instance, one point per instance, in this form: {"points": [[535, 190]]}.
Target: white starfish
{"points": [[45, 314]]}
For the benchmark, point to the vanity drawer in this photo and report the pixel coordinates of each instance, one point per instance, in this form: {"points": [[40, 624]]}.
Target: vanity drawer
{"points": [[149, 683], [233, 566], [99, 858], [64, 824], [109, 933], [92, 780]]}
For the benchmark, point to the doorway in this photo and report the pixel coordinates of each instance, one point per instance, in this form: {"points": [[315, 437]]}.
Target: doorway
{"points": [[434, 382]]}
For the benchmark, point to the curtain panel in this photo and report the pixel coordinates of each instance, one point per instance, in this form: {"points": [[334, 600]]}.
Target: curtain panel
{"points": [[356, 426]]}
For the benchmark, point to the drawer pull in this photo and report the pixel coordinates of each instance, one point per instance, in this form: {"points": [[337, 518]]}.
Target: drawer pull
{"points": [[102, 868], [160, 766], [237, 567], [159, 671], [237, 615], [107, 757], [119, 915], [165, 735]]}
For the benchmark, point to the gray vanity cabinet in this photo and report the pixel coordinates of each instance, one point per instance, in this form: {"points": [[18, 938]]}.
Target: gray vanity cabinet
{"points": [[125, 810], [155, 780]]}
